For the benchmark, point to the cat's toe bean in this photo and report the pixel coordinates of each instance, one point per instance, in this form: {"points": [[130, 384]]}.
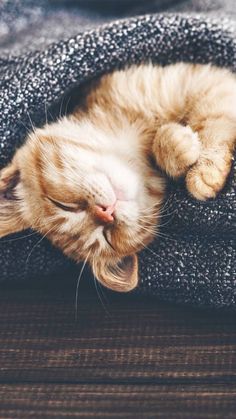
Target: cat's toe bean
{"points": [[204, 181]]}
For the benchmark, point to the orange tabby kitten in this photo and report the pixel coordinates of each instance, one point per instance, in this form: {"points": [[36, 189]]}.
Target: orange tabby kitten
{"points": [[88, 181]]}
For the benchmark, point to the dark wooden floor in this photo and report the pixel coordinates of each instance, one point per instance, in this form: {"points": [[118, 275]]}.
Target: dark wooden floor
{"points": [[133, 358]]}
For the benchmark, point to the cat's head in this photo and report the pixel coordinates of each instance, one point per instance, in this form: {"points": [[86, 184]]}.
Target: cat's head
{"points": [[90, 191]]}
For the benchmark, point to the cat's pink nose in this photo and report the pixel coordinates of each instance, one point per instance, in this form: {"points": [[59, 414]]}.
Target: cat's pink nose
{"points": [[104, 213]]}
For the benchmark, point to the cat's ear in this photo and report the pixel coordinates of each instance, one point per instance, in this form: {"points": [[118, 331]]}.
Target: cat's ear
{"points": [[11, 220], [122, 276]]}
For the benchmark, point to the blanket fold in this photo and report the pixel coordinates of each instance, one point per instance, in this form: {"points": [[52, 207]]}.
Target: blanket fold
{"points": [[53, 49]]}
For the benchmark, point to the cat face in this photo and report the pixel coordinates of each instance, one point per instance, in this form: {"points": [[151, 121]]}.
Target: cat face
{"points": [[90, 191]]}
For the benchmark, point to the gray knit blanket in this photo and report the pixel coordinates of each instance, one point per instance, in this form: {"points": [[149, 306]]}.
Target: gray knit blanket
{"points": [[47, 48]]}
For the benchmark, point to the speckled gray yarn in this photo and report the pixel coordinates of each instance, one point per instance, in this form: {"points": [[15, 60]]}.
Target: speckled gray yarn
{"points": [[194, 260]]}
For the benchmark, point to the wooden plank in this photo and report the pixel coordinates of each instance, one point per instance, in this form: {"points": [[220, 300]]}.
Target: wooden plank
{"points": [[133, 341], [117, 401]]}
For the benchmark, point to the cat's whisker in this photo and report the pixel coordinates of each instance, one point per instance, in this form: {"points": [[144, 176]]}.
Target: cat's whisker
{"points": [[147, 226], [148, 220], [158, 214], [155, 206], [102, 292], [149, 231], [61, 111], [96, 282], [37, 243], [77, 286], [154, 253], [150, 227], [47, 112], [161, 205], [166, 223], [168, 214], [150, 250], [100, 298], [28, 130], [155, 210], [61, 105], [31, 122], [18, 238], [163, 208], [67, 104], [160, 234], [150, 214], [46, 115], [166, 201]]}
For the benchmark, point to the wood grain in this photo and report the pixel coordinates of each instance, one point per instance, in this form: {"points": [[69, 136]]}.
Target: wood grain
{"points": [[117, 401], [125, 357]]}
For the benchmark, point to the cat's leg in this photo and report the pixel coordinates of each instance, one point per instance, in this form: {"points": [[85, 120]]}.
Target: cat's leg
{"points": [[205, 157], [176, 148], [208, 175]]}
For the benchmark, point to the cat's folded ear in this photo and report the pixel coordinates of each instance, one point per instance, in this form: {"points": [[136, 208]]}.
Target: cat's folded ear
{"points": [[121, 276], [11, 220]]}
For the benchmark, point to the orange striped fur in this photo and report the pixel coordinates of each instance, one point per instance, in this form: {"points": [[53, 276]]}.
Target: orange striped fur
{"points": [[182, 116]]}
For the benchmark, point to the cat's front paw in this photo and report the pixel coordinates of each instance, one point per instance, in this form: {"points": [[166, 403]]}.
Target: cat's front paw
{"points": [[206, 178], [176, 149]]}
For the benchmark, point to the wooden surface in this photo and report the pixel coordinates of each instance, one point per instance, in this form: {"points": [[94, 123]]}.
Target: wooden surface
{"points": [[126, 357]]}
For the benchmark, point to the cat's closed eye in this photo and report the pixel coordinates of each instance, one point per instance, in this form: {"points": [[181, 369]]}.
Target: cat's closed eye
{"points": [[72, 207]]}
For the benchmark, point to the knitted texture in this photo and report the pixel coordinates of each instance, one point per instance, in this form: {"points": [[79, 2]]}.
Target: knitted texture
{"points": [[48, 49]]}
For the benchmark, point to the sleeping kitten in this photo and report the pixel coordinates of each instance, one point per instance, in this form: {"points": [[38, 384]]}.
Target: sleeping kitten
{"points": [[88, 181]]}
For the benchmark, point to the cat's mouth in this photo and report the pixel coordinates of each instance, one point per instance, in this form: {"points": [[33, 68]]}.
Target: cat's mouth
{"points": [[123, 239], [108, 239]]}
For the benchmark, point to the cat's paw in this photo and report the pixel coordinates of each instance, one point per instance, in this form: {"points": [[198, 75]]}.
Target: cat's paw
{"points": [[177, 149], [206, 179]]}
